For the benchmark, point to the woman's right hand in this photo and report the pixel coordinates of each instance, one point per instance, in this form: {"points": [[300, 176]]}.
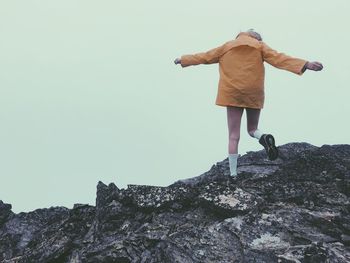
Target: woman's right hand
{"points": [[177, 61], [316, 66]]}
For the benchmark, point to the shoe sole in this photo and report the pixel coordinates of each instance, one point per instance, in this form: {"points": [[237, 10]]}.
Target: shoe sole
{"points": [[272, 151]]}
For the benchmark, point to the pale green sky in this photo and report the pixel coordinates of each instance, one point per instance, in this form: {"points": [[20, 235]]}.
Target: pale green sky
{"points": [[89, 90]]}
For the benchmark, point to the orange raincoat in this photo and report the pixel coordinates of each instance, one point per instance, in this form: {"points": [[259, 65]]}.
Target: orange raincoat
{"points": [[242, 72]]}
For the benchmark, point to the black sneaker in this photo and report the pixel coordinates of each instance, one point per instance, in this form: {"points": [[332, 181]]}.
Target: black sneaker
{"points": [[268, 142]]}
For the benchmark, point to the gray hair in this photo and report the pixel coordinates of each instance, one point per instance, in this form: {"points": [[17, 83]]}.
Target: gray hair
{"points": [[254, 34]]}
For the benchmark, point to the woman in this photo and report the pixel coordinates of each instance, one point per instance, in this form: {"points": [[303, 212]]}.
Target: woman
{"points": [[241, 84]]}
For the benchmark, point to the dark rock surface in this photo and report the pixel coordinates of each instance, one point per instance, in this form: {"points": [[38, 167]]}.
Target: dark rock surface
{"points": [[294, 209]]}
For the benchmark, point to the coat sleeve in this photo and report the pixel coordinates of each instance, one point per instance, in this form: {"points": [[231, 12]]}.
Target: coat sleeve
{"points": [[209, 57], [283, 61]]}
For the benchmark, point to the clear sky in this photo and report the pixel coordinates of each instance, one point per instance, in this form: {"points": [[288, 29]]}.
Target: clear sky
{"points": [[89, 91]]}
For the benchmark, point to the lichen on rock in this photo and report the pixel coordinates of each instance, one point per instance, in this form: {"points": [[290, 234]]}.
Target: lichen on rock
{"points": [[294, 209]]}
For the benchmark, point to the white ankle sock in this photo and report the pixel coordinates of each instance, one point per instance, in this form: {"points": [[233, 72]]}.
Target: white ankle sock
{"points": [[232, 157], [257, 134]]}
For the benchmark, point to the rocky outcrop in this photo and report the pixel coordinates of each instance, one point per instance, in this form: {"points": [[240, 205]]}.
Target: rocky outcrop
{"points": [[293, 209]]}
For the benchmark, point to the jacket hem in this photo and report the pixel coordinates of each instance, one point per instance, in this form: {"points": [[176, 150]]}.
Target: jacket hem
{"points": [[237, 105]]}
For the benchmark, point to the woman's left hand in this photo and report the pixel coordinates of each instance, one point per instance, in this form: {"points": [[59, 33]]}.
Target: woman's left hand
{"points": [[315, 66]]}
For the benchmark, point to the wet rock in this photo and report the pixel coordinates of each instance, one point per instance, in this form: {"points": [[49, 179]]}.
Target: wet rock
{"points": [[294, 209]]}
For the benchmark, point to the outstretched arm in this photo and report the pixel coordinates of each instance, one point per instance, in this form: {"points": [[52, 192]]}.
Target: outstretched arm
{"points": [[283, 61], [209, 57]]}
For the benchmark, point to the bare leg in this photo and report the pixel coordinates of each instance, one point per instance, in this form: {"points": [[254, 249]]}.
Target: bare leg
{"points": [[252, 120], [234, 115], [267, 140]]}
